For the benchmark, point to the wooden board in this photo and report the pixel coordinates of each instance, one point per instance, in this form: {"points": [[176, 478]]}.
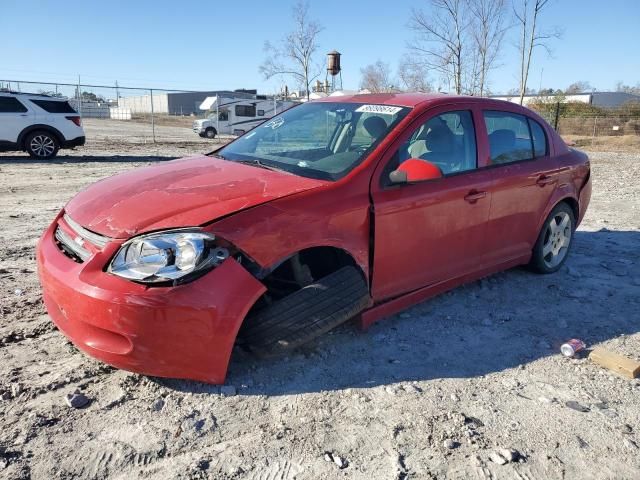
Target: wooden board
{"points": [[617, 363]]}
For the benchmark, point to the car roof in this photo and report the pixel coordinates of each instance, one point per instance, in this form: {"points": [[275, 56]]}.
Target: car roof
{"points": [[397, 99], [422, 99], [29, 94]]}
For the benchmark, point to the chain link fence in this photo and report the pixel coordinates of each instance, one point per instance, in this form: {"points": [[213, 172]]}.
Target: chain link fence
{"points": [[122, 114], [117, 114], [584, 120]]}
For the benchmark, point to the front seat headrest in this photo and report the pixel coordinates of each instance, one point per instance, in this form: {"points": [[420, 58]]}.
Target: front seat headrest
{"points": [[374, 126], [439, 139]]}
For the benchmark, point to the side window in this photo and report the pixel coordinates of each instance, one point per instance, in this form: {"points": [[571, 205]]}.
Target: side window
{"points": [[223, 115], [509, 137], [245, 110], [53, 106], [11, 105], [447, 140], [261, 113], [539, 139]]}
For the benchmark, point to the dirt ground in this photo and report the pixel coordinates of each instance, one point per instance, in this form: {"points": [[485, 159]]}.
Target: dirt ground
{"points": [[434, 392]]}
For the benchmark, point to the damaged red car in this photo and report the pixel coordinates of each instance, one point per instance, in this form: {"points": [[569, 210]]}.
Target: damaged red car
{"points": [[348, 207]]}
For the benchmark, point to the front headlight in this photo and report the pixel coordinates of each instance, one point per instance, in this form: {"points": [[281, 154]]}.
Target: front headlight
{"points": [[167, 256]]}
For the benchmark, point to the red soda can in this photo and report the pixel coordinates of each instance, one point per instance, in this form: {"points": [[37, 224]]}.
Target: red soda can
{"points": [[572, 347]]}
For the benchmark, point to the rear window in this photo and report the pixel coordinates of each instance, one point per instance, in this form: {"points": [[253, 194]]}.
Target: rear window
{"points": [[11, 105], [53, 106]]}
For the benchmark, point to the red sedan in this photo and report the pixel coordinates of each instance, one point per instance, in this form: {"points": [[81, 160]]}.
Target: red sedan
{"points": [[347, 207]]}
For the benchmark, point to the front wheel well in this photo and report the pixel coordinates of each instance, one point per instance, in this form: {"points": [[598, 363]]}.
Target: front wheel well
{"points": [[304, 268]]}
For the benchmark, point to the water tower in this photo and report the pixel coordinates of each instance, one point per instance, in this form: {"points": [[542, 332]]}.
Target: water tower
{"points": [[333, 69]]}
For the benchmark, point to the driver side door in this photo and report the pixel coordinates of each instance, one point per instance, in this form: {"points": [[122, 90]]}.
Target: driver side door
{"points": [[431, 231]]}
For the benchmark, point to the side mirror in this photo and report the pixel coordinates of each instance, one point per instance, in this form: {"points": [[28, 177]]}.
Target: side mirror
{"points": [[415, 170]]}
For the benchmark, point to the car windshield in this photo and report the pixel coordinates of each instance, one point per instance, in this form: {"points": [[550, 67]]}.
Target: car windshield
{"points": [[323, 140]]}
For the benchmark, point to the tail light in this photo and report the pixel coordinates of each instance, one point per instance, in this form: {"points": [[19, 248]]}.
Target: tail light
{"points": [[76, 120]]}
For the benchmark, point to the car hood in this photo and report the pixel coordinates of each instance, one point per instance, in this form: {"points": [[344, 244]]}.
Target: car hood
{"points": [[180, 193]]}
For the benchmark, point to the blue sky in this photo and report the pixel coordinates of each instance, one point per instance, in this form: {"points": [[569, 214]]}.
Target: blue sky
{"points": [[213, 44]]}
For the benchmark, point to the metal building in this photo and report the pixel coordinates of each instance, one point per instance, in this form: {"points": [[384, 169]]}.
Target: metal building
{"points": [[176, 103], [598, 99]]}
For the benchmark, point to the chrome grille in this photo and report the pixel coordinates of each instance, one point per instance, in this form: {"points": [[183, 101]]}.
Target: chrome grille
{"points": [[70, 247], [75, 246], [98, 240]]}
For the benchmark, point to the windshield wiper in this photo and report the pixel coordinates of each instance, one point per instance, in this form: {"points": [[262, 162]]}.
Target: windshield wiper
{"points": [[257, 163]]}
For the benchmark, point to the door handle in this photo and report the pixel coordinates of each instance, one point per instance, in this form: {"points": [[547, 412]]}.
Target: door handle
{"points": [[546, 180], [473, 196]]}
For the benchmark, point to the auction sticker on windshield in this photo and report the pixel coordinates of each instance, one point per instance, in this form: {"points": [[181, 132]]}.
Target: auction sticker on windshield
{"points": [[275, 123], [383, 109]]}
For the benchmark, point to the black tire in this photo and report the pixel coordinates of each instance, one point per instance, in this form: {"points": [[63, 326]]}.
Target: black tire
{"points": [[541, 258], [210, 133], [42, 145], [306, 313]]}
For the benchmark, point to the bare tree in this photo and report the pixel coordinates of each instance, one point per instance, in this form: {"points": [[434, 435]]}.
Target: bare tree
{"points": [[621, 87], [441, 38], [527, 13], [377, 77], [413, 76], [488, 27], [578, 87], [295, 55]]}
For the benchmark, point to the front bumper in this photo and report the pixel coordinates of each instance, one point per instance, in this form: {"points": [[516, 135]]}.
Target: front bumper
{"points": [[187, 331]]}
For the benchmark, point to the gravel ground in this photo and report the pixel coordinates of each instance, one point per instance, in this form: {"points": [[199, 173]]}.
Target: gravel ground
{"points": [[468, 385]]}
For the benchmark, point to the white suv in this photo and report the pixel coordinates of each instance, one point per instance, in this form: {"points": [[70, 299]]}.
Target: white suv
{"points": [[38, 124]]}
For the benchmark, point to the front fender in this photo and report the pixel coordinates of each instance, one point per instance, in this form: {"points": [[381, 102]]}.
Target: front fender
{"points": [[273, 232]]}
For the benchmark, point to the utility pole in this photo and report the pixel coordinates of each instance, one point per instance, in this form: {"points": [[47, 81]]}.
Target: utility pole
{"points": [[153, 122], [540, 86], [79, 97], [117, 93]]}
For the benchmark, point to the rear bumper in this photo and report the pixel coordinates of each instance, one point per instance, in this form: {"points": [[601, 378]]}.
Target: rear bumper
{"points": [[584, 199], [76, 142], [186, 331]]}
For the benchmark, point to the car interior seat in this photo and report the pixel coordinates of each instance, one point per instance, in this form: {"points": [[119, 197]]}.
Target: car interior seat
{"points": [[435, 144], [375, 127], [501, 142]]}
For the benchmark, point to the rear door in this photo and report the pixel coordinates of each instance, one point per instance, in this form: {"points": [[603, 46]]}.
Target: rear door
{"points": [[524, 176], [15, 116], [431, 231]]}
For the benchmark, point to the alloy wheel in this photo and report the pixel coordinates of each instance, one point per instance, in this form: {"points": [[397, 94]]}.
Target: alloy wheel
{"points": [[42, 145], [557, 239]]}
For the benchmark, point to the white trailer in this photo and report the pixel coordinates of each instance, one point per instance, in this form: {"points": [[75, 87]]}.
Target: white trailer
{"points": [[235, 116]]}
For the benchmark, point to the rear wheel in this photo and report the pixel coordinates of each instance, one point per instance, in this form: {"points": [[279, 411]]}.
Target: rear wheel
{"points": [[306, 314], [210, 132], [42, 145], [554, 241]]}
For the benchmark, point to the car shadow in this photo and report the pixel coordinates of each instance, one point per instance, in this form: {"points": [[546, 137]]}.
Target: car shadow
{"points": [[502, 322], [64, 159]]}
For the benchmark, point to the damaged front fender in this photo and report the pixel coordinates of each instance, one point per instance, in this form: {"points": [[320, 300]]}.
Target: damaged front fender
{"points": [[187, 331]]}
